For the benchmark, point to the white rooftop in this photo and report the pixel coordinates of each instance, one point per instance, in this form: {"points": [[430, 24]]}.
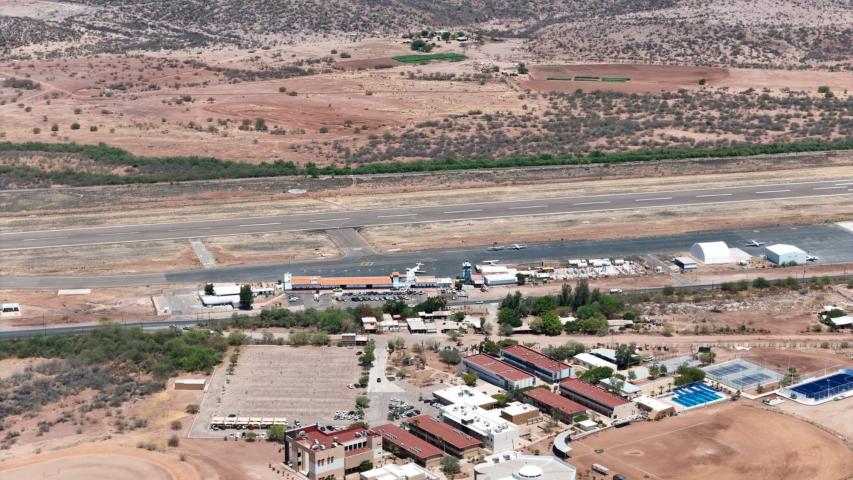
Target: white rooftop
{"points": [[368, 320], [783, 249], [484, 422], [226, 289], [408, 471], [627, 387], [512, 465], [842, 321], [652, 403], [518, 408], [465, 395], [591, 359], [608, 353]]}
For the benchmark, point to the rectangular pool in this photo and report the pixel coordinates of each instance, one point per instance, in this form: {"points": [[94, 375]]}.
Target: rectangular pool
{"points": [[695, 395]]}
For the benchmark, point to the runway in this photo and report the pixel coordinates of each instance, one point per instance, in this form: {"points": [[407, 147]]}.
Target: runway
{"points": [[65, 238], [830, 242]]}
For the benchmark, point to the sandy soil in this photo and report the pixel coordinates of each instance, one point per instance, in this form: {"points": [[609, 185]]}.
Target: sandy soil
{"points": [[128, 258], [729, 441], [87, 467], [41, 307], [271, 247]]}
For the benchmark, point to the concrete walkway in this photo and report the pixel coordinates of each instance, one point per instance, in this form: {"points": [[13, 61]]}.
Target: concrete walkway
{"points": [[204, 256]]}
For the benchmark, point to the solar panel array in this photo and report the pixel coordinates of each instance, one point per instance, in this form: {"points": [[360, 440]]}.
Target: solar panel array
{"points": [[741, 374]]}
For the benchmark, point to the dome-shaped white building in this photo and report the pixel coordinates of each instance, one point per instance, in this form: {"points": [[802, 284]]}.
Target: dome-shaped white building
{"points": [[711, 252]]}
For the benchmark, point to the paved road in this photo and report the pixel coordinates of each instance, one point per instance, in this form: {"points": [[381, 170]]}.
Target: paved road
{"points": [[830, 242], [414, 215]]}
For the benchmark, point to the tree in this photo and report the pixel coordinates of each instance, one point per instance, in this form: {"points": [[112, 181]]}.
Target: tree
{"points": [[581, 296], [520, 278], [707, 358], [235, 338], [595, 375], [564, 299], [176, 425], [490, 347], [522, 69], [365, 466], [174, 441], [505, 329], [654, 371], [551, 325], [761, 282], [625, 355], [362, 401], [470, 378], [276, 433], [208, 289], [687, 375], [450, 356], [192, 409], [507, 316], [564, 352], [260, 125], [246, 297], [450, 466]]}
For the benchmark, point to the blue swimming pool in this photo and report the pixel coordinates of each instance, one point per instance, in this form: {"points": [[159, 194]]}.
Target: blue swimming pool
{"points": [[695, 395], [838, 384]]}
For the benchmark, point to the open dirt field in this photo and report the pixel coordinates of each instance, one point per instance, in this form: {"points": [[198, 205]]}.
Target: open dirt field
{"points": [[728, 441], [308, 384], [91, 466]]}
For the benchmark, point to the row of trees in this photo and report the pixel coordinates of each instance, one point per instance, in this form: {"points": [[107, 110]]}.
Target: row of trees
{"points": [[172, 169]]}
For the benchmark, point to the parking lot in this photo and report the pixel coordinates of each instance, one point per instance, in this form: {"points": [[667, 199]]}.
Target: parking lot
{"points": [[304, 384]]}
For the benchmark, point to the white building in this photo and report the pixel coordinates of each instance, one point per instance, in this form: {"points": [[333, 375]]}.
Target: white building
{"points": [[590, 361], [409, 471], [465, 395], [781, 254], [517, 466], [711, 252], [484, 425]]}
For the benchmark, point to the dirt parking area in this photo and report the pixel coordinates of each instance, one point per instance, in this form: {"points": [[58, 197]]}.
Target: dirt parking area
{"points": [[729, 441], [308, 384]]}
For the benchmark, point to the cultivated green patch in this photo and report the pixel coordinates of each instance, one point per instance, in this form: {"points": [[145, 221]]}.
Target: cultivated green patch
{"points": [[426, 58]]}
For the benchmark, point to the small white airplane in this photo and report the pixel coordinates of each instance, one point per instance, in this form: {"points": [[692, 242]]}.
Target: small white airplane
{"points": [[490, 262], [516, 246], [417, 269], [495, 248], [812, 258], [754, 243]]}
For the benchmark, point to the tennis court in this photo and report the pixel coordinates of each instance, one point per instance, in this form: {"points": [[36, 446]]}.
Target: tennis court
{"points": [[741, 374]]}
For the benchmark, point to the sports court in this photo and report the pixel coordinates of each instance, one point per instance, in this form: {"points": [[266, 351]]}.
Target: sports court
{"points": [[837, 385], [695, 395], [741, 374]]}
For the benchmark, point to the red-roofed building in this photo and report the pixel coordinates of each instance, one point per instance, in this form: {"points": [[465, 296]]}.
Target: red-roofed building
{"points": [[499, 373], [554, 404], [321, 454], [444, 436], [597, 399], [536, 363], [403, 443]]}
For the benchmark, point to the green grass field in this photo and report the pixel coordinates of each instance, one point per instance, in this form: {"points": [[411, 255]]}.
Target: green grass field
{"points": [[450, 57], [615, 79], [585, 78], [569, 79]]}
